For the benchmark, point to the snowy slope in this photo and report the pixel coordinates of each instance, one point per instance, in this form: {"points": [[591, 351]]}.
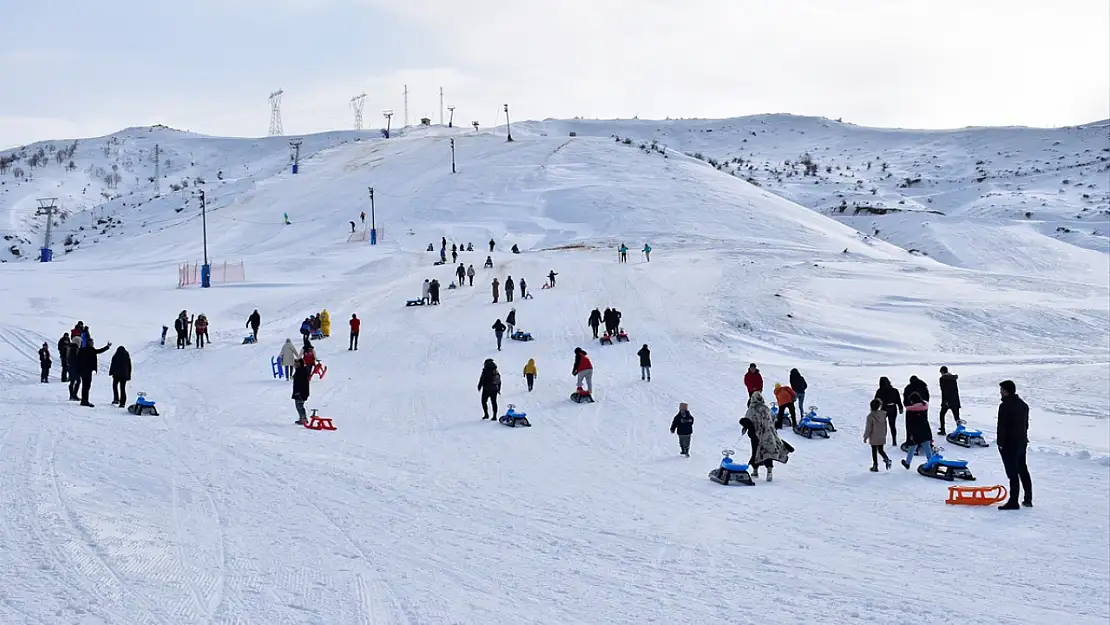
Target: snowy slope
{"points": [[1029, 188], [416, 511]]}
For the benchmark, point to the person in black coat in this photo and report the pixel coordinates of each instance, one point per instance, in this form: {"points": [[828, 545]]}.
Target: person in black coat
{"points": [[44, 362], [683, 425], [918, 432], [949, 397], [892, 405], [301, 376], [1013, 442], [433, 290], [63, 353], [595, 320], [71, 364], [916, 385], [798, 383], [499, 332], [253, 322], [180, 326], [645, 363], [86, 366], [489, 383], [120, 371]]}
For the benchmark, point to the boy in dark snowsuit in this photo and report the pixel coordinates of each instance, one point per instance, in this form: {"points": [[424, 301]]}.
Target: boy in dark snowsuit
{"points": [[44, 362], [683, 425], [63, 353], [595, 320], [490, 385], [949, 397]]}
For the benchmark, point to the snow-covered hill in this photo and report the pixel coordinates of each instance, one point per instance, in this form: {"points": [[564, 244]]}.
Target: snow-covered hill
{"points": [[925, 191], [417, 511]]}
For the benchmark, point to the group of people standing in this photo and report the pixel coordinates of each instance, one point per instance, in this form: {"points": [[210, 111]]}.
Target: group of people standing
{"points": [[622, 253], [611, 318], [78, 354]]}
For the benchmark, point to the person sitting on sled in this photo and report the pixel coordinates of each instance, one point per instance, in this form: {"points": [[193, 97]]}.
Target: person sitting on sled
{"points": [[489, 263]]}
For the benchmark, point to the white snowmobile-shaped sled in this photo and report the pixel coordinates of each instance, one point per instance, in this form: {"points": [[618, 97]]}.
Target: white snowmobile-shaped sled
{"points": [[965, 437], [582, 396], [941, 468], [513, 419], [730, 472], [143, 406]]}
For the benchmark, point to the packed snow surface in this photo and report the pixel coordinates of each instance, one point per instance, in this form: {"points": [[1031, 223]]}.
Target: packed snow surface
{"points": [[416, 511]]}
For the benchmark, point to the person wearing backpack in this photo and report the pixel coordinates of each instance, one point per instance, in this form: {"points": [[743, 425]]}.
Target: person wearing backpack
{"points": [[489, 383]]}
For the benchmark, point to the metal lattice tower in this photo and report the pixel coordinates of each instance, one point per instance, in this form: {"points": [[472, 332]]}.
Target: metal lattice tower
{"points": [[47, 206], [275, 113], [357, 103]]}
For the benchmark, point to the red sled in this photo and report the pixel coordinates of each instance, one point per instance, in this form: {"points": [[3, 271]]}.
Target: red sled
{"points": [[318, 370], [582, 396], [319, 423], [606, 339]]}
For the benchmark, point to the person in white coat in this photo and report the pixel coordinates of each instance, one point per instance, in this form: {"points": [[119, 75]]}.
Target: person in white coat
{"points": [[289, 355], [427, 291]]}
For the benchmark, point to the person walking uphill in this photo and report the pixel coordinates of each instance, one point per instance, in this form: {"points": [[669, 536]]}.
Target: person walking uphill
{"points": [[120, 372], [683, 425], [767, 447], [1013, 443], [583, 369], [784, 397], [63, 354], [594, 320], [496, 289], [753, 381], [301, 377], [530, 373], [253, 322], [874, 434], [892, 405], [86, 366], [44, 362], [356, 323], [489, 383], [645, 363], [510, 286], [918, 432], [289, 356], [470, 274], [499, 332], [949, 397], [798, 383], [460, 273]]}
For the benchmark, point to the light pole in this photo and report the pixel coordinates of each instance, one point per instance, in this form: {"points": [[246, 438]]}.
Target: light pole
{"points": [[373, 225], [451, 119], [205, 269], [452, 156], [508, 127]]}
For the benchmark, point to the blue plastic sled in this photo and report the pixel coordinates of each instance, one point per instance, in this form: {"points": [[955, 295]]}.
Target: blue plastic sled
{"points": [[317, 335], [730, 472], [249, 340], [521, 335], [278, 370], [143, 406], [810, 428], [941, 468], [825, 421], [965, 437], [414, 302], [513, 419]]}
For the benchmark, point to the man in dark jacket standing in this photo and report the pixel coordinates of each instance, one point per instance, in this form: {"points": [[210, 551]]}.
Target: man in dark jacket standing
{"points": [[949, 397], [120, 371], [86, 366], [44, 362], [489, 383], [1013, 442], [683, 424], [595, 320], [916, 385], [798, 383], [63, 353], [645, 363], [253, 322], [301, 376]]}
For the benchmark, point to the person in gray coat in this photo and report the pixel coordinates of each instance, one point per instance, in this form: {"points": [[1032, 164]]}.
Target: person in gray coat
{"points": [[874, 434]]}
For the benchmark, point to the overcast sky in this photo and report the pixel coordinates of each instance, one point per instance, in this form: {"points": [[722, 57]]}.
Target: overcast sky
{"points": [[71, 68]]}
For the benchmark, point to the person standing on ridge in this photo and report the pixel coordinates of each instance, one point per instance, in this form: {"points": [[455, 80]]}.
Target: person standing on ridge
{"points": [[530, 373], [498, 332], [63, 354], [683, 425], [645, 363], [595, 320], [44, 362], [120, 372], [253, 322], [892, 405], [356, 323], [1013, 442], [949, 397], [489, 383], [753, 381]]}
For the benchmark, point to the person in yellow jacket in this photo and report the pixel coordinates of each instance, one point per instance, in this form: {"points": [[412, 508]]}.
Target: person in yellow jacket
{"points": [[325, 323], [530, 373]]}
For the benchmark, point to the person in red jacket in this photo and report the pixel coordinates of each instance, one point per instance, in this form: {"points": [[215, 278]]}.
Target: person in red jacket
{"points": [[753, 380], [355, 324], [584, 369]]}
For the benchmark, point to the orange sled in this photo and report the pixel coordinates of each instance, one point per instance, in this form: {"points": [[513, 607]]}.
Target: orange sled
{"points": [[319, 423], [975, 495]]}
